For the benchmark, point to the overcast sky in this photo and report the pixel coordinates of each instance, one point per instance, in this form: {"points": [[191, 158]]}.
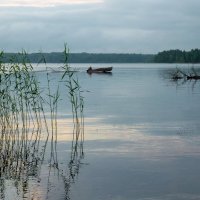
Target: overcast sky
{"points": [[127, 26]]}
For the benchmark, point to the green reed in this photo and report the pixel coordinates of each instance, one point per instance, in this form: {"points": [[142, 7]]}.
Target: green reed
{"points": [[20, 117], [24, 122], [75, 97]]}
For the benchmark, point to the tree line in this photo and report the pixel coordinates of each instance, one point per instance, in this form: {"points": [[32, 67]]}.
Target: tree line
{"points": [[170, 56], [178, 56], [59, 57]]}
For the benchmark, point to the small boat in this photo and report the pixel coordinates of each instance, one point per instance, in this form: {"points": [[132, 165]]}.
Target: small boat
{"points": [[99, 70]]}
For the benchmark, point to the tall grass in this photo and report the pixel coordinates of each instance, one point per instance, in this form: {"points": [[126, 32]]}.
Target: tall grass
{"points": [[20, 118], [77, 101], [23, 119]]}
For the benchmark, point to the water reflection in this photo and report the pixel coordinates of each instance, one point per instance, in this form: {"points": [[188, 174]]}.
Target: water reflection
{"points": [[183, 77], [100, 73], [68, 172], [22, 164]]}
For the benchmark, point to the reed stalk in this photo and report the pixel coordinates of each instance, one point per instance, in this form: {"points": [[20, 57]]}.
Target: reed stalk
{"points": [[24, 121]]}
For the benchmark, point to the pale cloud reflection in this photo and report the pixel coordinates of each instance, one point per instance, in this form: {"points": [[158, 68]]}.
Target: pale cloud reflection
{"points": [[42, 3], [138, 140], [134, 140]]}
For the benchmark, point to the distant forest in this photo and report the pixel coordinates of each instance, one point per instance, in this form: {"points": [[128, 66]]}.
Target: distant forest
{"points": [[178, 56], [170, 56], [58, 57]]}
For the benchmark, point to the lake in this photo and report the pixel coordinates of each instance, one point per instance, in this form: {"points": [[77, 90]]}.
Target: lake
{"points": [[141, 138]]}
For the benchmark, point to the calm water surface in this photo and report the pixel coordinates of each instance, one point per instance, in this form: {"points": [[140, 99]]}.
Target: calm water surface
{"points": [[142, 137]]}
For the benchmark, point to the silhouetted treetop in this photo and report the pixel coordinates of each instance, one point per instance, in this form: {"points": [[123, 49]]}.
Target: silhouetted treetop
{"points": [[178, 56]]}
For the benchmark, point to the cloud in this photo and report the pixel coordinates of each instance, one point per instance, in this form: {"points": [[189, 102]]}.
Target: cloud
{"points": [[146, 26], [43, 3]]}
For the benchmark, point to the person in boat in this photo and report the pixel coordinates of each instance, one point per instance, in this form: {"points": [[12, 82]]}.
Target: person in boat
{"points": [[89, 69]]}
